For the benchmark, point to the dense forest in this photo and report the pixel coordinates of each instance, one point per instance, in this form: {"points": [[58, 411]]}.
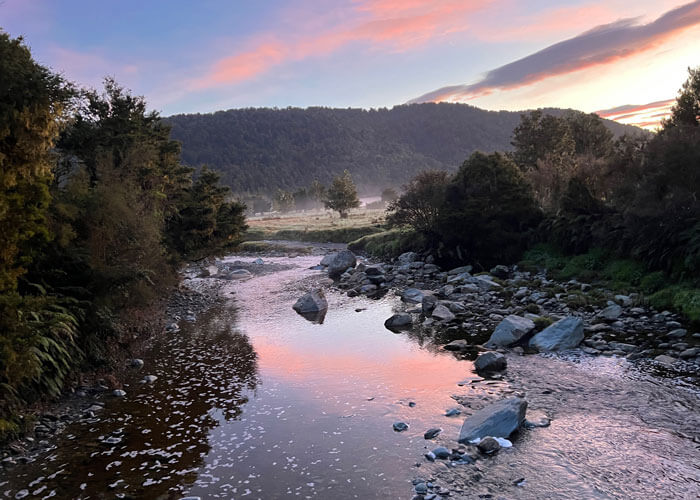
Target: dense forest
{"points": [[96, 215], [261, 150]]}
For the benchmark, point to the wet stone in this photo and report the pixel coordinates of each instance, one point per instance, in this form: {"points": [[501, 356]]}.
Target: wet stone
{"points": [[441, 452], [432, 433], [400, 426]]}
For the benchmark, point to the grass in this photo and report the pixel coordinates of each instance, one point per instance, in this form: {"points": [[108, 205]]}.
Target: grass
{"points": [[388, 244], [620, 275], [316, 227]]}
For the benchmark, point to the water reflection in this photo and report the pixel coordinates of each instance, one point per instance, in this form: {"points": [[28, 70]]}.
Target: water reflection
{"points": [[153, 443]]}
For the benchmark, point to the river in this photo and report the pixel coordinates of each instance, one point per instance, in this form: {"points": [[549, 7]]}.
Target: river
{"points": [[254, 401]]}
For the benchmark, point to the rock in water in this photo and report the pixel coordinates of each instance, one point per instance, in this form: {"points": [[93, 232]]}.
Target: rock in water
{"points": [[312, 302], [566, 333], [399, 320], [432, 433], [488, 445], [327, 259], [340, 263], [510, 330], [400, 426], [500, 419], [456, 345], [118, 393], [490, 362]]}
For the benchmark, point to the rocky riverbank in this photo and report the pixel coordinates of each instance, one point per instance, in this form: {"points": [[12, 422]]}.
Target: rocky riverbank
{"points": [[511, 312]]}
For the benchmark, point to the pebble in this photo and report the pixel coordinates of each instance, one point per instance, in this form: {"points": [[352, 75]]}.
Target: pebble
{"points": [[400, 426], [441, 452], [149, 379], [488, 445], [453, 412], [421, 488], [432, 433], [118, 393]]}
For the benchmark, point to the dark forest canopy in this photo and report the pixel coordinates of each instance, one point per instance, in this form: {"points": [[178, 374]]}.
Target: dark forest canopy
{"points": [[264, 149]]}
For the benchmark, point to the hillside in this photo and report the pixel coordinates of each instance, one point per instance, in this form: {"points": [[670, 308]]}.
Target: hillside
{"points": [[261, 149]]}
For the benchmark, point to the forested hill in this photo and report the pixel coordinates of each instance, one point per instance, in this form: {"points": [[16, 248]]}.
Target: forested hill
{"points": [[262, 149]]}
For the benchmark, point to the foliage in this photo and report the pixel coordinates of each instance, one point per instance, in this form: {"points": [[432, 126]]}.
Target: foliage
{"points": [[341, 195], [488, 212], [388, 244], [419, 205], [686, 111], [389, 195], [261, 150]]}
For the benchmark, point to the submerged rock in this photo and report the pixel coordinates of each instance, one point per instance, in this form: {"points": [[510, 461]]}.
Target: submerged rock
{"points": [[500, 419], [511, 330], [432, 433], [400, 426], [118, 393], [490, 362], [456, 345], [566, 333]]}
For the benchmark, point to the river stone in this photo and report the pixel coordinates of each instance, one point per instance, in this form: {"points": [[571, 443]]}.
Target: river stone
{"points": [[500, 271], [149, 379], [490, 362], [510, 330], [441, 452], [456, 345], [485, 283], [136, 363], [428, 304], [566, 333], [453, 412], [611, 313], [432, 433], [312, 302], [327, 259], [399, 320], [408, 257], [400, 426], [488, 445], [665, 360], [678, 333], [413, 295], [500, 419], [239, 274], [118, 393], [460, 270], [442, 313], [341, 262]]}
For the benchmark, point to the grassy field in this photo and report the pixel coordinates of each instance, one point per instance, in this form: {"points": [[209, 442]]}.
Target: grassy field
{"points": [[319, 227]]}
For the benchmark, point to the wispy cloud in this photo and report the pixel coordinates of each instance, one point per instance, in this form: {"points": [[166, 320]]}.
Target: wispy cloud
{"points": [[394, 24], [642, 115], [601, 45]]}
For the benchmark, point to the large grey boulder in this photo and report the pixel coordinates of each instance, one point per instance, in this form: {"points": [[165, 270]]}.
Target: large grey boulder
{"points": [[566, 333], [341, 262], [442, 313], [413, 295], [312, 302], [398, 321], [490, 362], [327, 259], [460, 270], [611, 313], [485, 283], [500, 419], [510, 331]]}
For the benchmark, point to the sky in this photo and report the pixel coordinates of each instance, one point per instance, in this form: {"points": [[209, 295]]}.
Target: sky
{"points": [[625, 60]]}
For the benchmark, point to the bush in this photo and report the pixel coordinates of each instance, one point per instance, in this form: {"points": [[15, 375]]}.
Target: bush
{"points": [[653, 282], [488, 213], [389, 244]]}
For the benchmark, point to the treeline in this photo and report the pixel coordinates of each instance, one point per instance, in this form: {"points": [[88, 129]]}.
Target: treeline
{"points": [[96, 214], [259, 151], [569, 183]]}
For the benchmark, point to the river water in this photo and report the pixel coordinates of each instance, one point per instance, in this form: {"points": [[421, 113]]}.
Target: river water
{"points": [[254, 401]]}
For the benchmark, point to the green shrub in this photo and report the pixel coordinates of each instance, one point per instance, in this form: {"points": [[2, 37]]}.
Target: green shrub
{"points": [[584, 267], [625, 271], [542, 322], [388, 244], [653, 282]]}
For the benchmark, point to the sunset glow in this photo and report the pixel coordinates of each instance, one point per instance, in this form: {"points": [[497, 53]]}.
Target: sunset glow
{"points": [[495, 54]]}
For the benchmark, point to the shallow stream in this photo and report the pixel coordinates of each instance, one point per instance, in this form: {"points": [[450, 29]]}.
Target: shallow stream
{"points": [[254, 401]]}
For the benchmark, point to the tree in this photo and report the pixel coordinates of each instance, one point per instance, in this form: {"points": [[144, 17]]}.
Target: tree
{"points": [[342, 195], [284, 201], [317, 192], [540, 137], [32, 104], [686, 110], [419, 204], [488, 211]]}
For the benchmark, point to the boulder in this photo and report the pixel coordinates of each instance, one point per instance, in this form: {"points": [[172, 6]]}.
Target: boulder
{"points": [[442, 313], [490, 362], [665, 360], [511, 330], [488, 445], [413, 295], [611, 313], [408, 257], [341, 262], [327, 259], [460, 270], [399, 320], [500, 419], [432, 433], [312, 302], [500, 271], [428, 304], [485, 283], [566, 333], [374, 271]]}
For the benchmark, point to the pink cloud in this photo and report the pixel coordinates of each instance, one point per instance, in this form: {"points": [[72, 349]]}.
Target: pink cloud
{"points": [[394, 24], [602, 45], [648, 115]]}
